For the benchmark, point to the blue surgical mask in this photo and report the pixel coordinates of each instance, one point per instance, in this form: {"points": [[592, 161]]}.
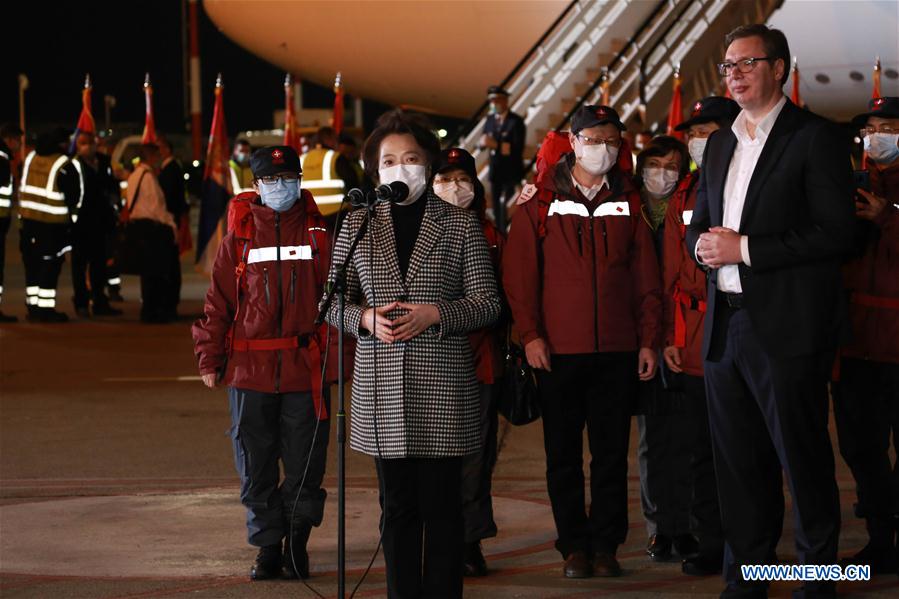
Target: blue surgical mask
{"points": [[279, 196]]}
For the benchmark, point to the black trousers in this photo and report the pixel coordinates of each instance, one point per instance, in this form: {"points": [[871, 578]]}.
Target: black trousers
{"points": [[266, 428], [160, 287], [477, 473], [678, 488], [769, 415], [502, 188], [43, 247], [4, 229], [421, 526], [89, 260], [596, 390], [866, 409]]}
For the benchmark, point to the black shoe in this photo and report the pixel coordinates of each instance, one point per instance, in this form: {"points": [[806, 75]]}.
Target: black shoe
{"points": [[577, 566], [702, 565], [50, 315], [268, 563], [106, 310], [34, 314], [475, 564], [5, 318], [881, 558], [659, 548], [296, 558], [686, 545], [83, 312], [606, 566], [115, 295]]}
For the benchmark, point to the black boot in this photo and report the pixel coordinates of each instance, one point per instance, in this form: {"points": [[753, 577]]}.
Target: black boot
{"points": [[7, 318], [475, 564], [268, 563], [296, 558], [52, 316]]}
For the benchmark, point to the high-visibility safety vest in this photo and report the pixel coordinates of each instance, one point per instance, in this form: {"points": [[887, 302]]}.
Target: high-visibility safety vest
{"points": [[321, 178], [241, 178], [39, 196], [5, 192]]}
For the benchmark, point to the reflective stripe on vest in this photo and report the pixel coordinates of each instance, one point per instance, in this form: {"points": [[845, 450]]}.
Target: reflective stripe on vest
{"points": [[236, 184], [569, 207], [270, 254], [77, 164], [6, 191], [321, 178], [39, 196]]}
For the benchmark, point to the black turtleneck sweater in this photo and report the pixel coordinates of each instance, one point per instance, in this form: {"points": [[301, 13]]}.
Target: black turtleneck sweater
{"points": [[406, 224]]}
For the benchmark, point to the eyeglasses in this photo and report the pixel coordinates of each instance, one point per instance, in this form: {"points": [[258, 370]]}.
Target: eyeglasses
{"points": [[744, 66], [869, 130], [272, 179], [597, 141]]}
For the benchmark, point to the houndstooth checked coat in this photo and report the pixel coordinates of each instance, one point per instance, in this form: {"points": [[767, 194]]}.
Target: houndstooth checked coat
{"points": [[423, 390]]}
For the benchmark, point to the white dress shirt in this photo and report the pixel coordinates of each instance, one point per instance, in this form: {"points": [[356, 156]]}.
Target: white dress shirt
{"points": [[742, 165], [590, 192], [151, 204]]}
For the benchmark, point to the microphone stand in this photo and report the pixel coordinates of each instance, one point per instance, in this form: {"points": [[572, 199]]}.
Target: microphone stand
{"points": [[338, 289]]}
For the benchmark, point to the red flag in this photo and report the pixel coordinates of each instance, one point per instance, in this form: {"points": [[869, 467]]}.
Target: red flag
{"points": [[876, 93], [291, 131], [337, 119], [794, 75], [216, 186], [675, 114], [149, 136], [86, 119]]}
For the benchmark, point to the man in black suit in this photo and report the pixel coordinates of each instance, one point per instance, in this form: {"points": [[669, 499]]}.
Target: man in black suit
{"points": [[504, 133], [171, 180], [774, 214]]}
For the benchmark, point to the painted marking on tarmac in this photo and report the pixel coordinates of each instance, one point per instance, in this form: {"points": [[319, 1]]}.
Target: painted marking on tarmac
{"points": [[153, 379]]}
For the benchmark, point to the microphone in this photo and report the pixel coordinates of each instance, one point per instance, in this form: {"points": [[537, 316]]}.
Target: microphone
{"points": [[394, 192], [358, 198]]}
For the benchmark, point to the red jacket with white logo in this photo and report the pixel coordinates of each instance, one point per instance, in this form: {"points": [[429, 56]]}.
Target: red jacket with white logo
{"points": [[591, 284], [286, 265], [684, 282], [873, 278]]}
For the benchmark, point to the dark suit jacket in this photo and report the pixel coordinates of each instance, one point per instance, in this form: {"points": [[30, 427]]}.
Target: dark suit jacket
{"points": [[512, 131], [171, 179], [799, 216]]}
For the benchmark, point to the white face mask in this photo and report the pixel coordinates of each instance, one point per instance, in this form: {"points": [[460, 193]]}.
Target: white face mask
{"points": [[696, 146], [596, 160], [659, 182], [415, 176], [457, 193], [882, 147]]}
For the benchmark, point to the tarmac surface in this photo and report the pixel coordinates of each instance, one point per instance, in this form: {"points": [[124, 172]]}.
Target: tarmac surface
{"points": [[116, 480]]}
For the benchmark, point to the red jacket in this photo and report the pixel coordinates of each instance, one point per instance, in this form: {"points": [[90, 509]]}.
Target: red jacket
{"points": [[592, 283], [684, 292], [873, 278], [487, 343], [279, 298]]}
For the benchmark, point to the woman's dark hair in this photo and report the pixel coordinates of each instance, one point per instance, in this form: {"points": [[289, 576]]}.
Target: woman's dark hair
{"points": [[479, 203], [773, 40], [662, 146], [397, 122]]}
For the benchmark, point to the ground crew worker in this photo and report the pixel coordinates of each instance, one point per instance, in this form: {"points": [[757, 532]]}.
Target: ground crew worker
{"points": [[684, 293], [866, 396], [326, 173], [48, 199], [582, 281], [96, 214], [10, 142], [504, 136], [258, 336], [239, 165]]}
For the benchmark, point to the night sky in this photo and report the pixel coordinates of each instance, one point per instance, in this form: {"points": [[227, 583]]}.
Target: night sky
{"points": [[56, 43]]}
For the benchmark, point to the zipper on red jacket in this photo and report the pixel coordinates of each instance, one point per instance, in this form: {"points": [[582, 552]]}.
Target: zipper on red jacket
{"points": [[580, 240], [595, 289], [293, 284], [268, 296], [280, 297]]}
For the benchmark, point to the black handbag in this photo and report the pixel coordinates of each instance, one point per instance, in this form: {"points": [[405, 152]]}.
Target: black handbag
{"points": [[518, 399], [143, 245]]}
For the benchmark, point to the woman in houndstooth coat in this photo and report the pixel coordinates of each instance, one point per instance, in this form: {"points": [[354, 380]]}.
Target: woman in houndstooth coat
{"points": [[419, 281]]}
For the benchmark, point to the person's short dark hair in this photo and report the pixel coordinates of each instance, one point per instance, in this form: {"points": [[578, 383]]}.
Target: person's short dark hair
{"points": [[8, 130], [241, 142], [147, 151], [163, 141], [347, 140], [326, 132], [397, 122], [773, 40], [662, 146]]}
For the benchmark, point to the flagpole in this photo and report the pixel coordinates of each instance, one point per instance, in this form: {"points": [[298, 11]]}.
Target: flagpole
{"points": [[23, 85], [196, 122]]}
